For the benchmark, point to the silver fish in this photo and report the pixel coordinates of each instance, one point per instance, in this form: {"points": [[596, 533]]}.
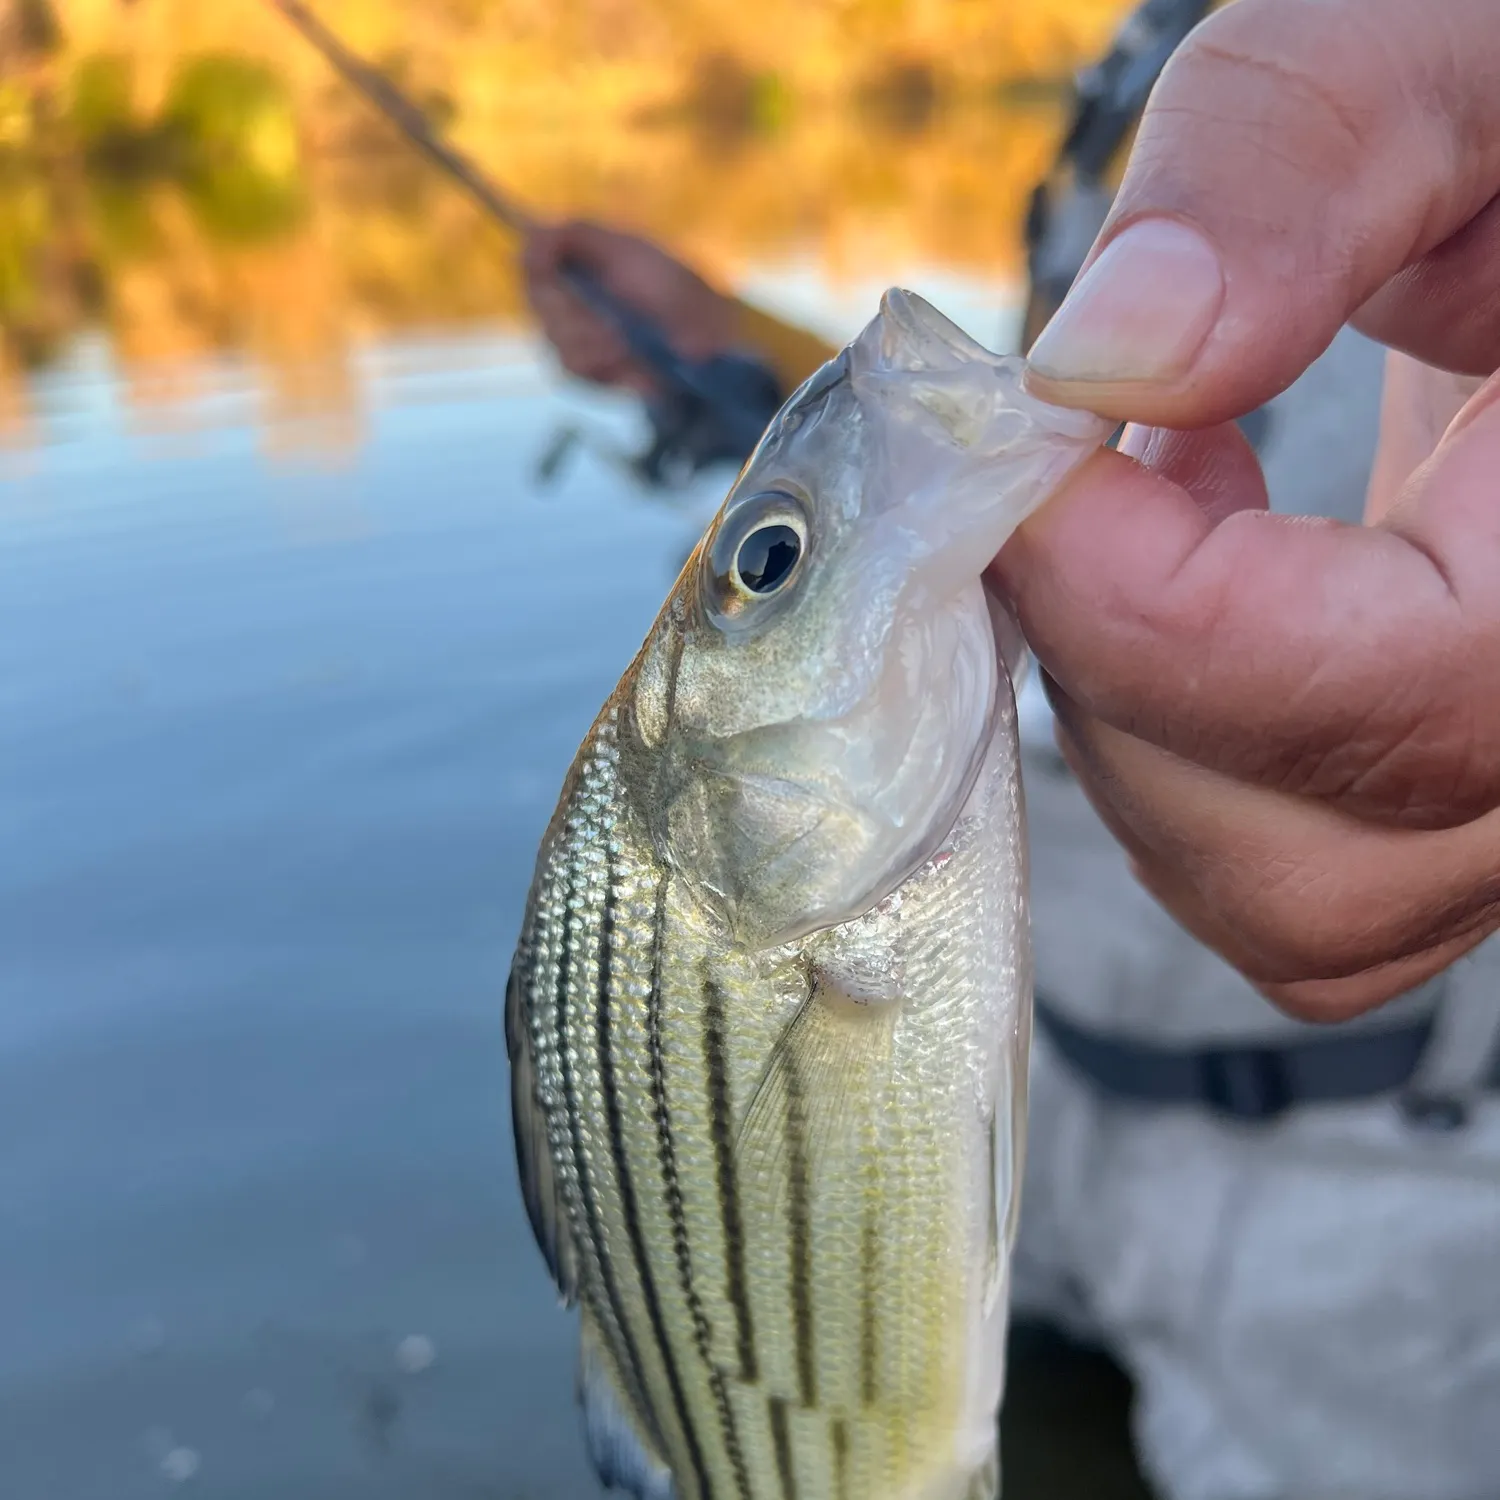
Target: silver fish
{"points": [[769, 1014]]}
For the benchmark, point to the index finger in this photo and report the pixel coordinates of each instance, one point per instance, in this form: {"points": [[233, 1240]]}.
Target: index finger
{"points": [[1353, 664]]}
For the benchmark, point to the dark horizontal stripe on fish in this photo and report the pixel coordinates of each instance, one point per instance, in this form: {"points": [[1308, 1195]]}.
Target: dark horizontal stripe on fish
{"points": [[613, 1327], [608, 1082], [782, 1439], [838, 1433], [869, 1264], [737, 1286], [799, 1228], [672, 1188]]}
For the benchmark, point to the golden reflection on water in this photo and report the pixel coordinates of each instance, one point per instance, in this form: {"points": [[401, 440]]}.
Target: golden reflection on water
{"points": [[189, 179]]}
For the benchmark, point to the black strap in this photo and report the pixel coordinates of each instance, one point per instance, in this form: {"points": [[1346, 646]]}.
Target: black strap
{"points": [[1245, 1083]]}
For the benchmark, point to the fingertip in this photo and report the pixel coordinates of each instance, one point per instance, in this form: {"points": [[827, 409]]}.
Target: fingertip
{"points": [[1217, 466], [639, 382], [548, 301], [596, 364]]}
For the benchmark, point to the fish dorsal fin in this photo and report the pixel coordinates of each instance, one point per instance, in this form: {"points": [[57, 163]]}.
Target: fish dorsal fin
{"points": [[539, 1185], [621, 1455]]}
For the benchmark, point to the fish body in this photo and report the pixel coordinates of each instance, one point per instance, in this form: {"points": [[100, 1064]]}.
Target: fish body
{"points": [[769, 1013]]}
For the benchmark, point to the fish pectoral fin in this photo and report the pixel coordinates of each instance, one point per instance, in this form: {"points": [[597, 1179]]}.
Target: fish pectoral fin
{"points": [[814, 1106], [539, 1186], [622, 1456]]}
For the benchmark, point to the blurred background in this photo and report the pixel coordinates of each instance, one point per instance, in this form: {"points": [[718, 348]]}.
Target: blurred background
{"points": [[300, 624]]}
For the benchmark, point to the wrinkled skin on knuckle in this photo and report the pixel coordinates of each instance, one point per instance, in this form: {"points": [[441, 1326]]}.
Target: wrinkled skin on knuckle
{"points": [[1428, 756], [1386, 730], [1403, 762], [1441, 774], [1299, 919], [1341, 998], [1444, 306], [1327, 945]]}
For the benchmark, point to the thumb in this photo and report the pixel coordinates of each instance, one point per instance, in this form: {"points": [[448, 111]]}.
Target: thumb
{"points": [[1294, 161]]}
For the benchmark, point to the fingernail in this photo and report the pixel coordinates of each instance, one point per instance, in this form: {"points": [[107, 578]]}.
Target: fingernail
{"points": [[1140, 313]]}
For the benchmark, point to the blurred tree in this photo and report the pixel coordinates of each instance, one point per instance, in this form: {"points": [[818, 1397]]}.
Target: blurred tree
{"points": [[202, 182], [99, 108]]}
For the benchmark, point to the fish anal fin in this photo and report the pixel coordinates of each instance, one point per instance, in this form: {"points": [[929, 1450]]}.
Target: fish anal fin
{"points": [[622, 1456], [539, 1183], [814, 1106]]}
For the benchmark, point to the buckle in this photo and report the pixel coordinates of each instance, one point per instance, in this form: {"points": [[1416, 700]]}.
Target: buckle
{"points": [[1247, 1084], [1442, 1114]]}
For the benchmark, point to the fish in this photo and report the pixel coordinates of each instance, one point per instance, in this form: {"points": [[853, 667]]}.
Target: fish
{"points": [[769, 1013]]}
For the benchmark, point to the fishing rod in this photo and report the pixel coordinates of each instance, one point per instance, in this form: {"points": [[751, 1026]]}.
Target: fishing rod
{"points": [[706, 411]]}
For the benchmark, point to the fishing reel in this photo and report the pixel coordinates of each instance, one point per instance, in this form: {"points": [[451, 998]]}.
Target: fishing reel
{"points": [[691, 431], [714, 417]]}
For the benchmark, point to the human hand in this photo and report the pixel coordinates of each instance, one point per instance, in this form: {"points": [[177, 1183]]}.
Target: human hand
{"points": [[1293, 726], [696, 320]]}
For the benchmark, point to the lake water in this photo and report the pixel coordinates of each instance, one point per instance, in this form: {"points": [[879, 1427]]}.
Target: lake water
{"points": [[278, 736]]}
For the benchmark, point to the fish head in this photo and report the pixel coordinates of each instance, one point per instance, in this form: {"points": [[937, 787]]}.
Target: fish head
{"points": [[810, 711]]}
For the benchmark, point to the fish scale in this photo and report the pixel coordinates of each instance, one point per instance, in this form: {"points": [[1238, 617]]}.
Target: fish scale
{"points": [[768, 1013]]}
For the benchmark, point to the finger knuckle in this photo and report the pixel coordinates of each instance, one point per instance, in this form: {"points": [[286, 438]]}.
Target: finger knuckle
{"points": [[1325, 922], [1331, 1001], [1252, 66], [1403, 748], [1303, 917], [1319, 67]]}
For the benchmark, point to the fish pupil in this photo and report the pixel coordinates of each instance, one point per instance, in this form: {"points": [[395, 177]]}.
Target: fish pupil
{"points": [[767, 557]]}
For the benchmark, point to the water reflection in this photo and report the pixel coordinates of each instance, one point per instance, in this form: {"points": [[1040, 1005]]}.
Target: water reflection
{"points": [[297, 271], [188, 199]]}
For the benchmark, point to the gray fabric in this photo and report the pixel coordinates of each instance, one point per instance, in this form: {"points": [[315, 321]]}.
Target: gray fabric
{"points": [[1464, 1053], [1310, 1308], [1321, 445]]}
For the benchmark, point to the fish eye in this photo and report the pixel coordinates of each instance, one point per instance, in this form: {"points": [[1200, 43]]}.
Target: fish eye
{"points": [[755, 554], [767, 556]]}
